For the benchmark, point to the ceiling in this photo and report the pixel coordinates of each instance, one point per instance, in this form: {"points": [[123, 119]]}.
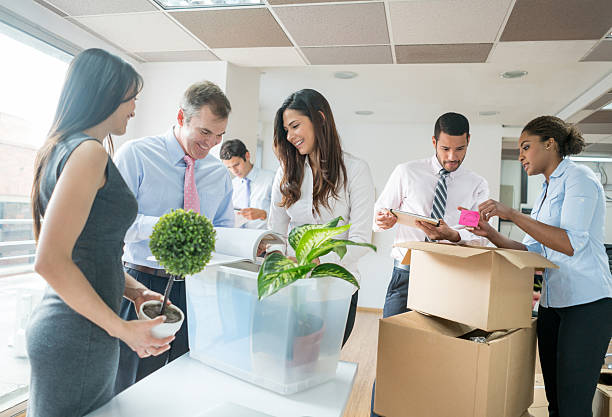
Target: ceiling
{"points": [[415, 58], [323, 32]]}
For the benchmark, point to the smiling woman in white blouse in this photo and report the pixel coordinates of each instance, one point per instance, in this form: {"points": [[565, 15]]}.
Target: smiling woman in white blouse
{"points": [[317, 181]]}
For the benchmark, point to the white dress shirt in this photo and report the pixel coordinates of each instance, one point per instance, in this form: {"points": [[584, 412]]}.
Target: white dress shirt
{"points": [[354, 204], [261, 189], [411, 188]]}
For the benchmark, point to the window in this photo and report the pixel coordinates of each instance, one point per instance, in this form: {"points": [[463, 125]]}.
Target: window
{"points": [[31, 78]]}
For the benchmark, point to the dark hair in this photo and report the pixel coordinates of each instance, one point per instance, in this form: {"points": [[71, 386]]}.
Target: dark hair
{"points": [[205, 93], [568, 137], [96, 84], [328, 162], [231, 148], [453, 124]]}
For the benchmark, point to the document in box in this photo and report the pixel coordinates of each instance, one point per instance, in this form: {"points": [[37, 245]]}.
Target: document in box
{"points": [[409, 219], [236, 244]]}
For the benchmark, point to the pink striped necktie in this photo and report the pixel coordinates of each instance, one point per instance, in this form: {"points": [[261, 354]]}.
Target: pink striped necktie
{"points": [[191, 199]]}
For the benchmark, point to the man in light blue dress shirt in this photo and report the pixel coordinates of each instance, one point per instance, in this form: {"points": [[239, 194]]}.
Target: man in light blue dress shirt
{"points": [[154, 169], [252, 186]]}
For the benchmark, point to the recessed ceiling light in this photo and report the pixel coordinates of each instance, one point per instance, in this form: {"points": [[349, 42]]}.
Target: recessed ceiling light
{"points": [[364, 112], [488, 113], [196, 4], [345, 75], [513, 74]]}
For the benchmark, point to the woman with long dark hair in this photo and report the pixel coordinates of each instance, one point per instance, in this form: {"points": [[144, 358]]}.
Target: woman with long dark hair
{"points": [[86, 209], [567, 227], [317, 181]]}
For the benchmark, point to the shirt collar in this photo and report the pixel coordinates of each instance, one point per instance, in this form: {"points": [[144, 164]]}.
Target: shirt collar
{"points": [[175, 151], [252, 175], [561, 168]]}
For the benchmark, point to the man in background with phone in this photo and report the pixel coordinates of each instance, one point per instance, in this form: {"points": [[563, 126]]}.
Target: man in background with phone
{"points": [[434, 187], [252, 186]]}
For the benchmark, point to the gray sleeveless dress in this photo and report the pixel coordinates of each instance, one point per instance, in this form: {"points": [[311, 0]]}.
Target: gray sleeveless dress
{"points": [[73, 361]]}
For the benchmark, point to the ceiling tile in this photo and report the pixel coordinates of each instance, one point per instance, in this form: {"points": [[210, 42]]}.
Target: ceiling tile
{"points": [[51, 7], [337, 24], [437, 54], [602, 52], [261, 57], [557, 52], [234, 28], [600, 102], [601, 116], [144, 32], [447, 21], [177, 56], [551, 20], [340, 55], [95, 7], [275, 2]]}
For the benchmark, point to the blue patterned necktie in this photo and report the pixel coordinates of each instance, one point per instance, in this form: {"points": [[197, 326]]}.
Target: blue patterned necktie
{"points": [[439, 202]]}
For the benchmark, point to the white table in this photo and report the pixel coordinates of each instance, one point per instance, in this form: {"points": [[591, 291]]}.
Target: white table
{"points": [[188, 388]]}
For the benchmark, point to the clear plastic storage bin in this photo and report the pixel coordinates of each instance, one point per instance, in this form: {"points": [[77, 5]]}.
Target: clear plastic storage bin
{"points": [[287, 342]]}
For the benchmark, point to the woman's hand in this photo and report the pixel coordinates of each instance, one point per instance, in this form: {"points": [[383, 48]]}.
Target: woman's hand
{"points": [[147, 295], [137, 335], [491, 208]]}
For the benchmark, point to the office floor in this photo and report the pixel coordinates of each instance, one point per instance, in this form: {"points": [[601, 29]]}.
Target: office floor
{"points": [[361, 348]]}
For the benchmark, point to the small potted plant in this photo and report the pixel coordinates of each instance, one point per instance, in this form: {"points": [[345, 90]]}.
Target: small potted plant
{"points": [[182, 242], [310, 242]]}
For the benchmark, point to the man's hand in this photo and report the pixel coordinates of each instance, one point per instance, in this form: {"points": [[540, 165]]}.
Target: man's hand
{"points": [[442, 232], [385, 219], [253, 213]]}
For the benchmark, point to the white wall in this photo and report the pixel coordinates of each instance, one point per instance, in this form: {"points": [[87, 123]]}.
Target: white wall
{"points": [[384, 146], [164, 85]]}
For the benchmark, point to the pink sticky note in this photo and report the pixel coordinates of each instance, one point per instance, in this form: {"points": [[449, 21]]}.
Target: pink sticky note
{"points": [[469, 218]]}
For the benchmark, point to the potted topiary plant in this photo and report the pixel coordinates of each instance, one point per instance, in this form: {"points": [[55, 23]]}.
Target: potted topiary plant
{"points": [[310, 241], [182, 243]]}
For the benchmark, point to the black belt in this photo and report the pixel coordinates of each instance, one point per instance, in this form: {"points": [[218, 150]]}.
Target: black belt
{"points": [[147, 270], [398, 264]]}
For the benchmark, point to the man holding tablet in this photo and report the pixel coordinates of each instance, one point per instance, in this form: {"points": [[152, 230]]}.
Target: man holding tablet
{"points": [[434, 187]]}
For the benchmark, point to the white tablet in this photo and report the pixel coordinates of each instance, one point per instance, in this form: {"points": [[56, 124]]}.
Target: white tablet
{"points": [[408, 219]]}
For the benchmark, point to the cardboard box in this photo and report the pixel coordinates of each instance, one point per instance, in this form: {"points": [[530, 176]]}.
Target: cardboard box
{"points": [[602, 402], [425, 369], [486, 288]]}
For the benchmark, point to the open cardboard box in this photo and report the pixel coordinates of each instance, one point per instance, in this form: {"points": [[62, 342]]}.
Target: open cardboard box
{"points": [[602, 403], [487, 288], [426, 368]]}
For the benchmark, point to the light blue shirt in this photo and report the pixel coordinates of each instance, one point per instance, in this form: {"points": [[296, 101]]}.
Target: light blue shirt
{"points": [[574, 202], [154, 169], [261, 191]]}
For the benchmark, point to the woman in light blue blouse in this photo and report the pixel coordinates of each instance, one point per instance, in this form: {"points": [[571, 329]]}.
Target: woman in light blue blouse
{"points": [[567, 227]]}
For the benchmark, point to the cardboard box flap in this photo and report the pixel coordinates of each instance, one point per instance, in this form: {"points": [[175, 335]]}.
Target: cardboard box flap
{"points": [[441, 249], [417, 320], [524, 259]]}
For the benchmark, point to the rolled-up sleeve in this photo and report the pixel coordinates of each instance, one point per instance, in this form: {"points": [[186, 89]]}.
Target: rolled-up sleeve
{"points": [[577, 210], [390, 197], [532, 245]]}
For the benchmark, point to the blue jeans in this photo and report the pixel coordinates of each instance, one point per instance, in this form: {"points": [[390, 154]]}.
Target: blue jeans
{"points": [[395, 303]]}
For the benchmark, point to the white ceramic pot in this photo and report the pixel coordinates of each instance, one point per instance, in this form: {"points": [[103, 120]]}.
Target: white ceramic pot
{"points": [[165, 329]]}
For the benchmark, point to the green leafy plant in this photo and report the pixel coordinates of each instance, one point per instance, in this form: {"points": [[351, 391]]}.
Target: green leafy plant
{"points": [[310, 241], [182, 242]]}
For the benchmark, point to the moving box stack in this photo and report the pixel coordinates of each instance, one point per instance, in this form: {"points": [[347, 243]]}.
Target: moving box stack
{"points": [[468, 348]]}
